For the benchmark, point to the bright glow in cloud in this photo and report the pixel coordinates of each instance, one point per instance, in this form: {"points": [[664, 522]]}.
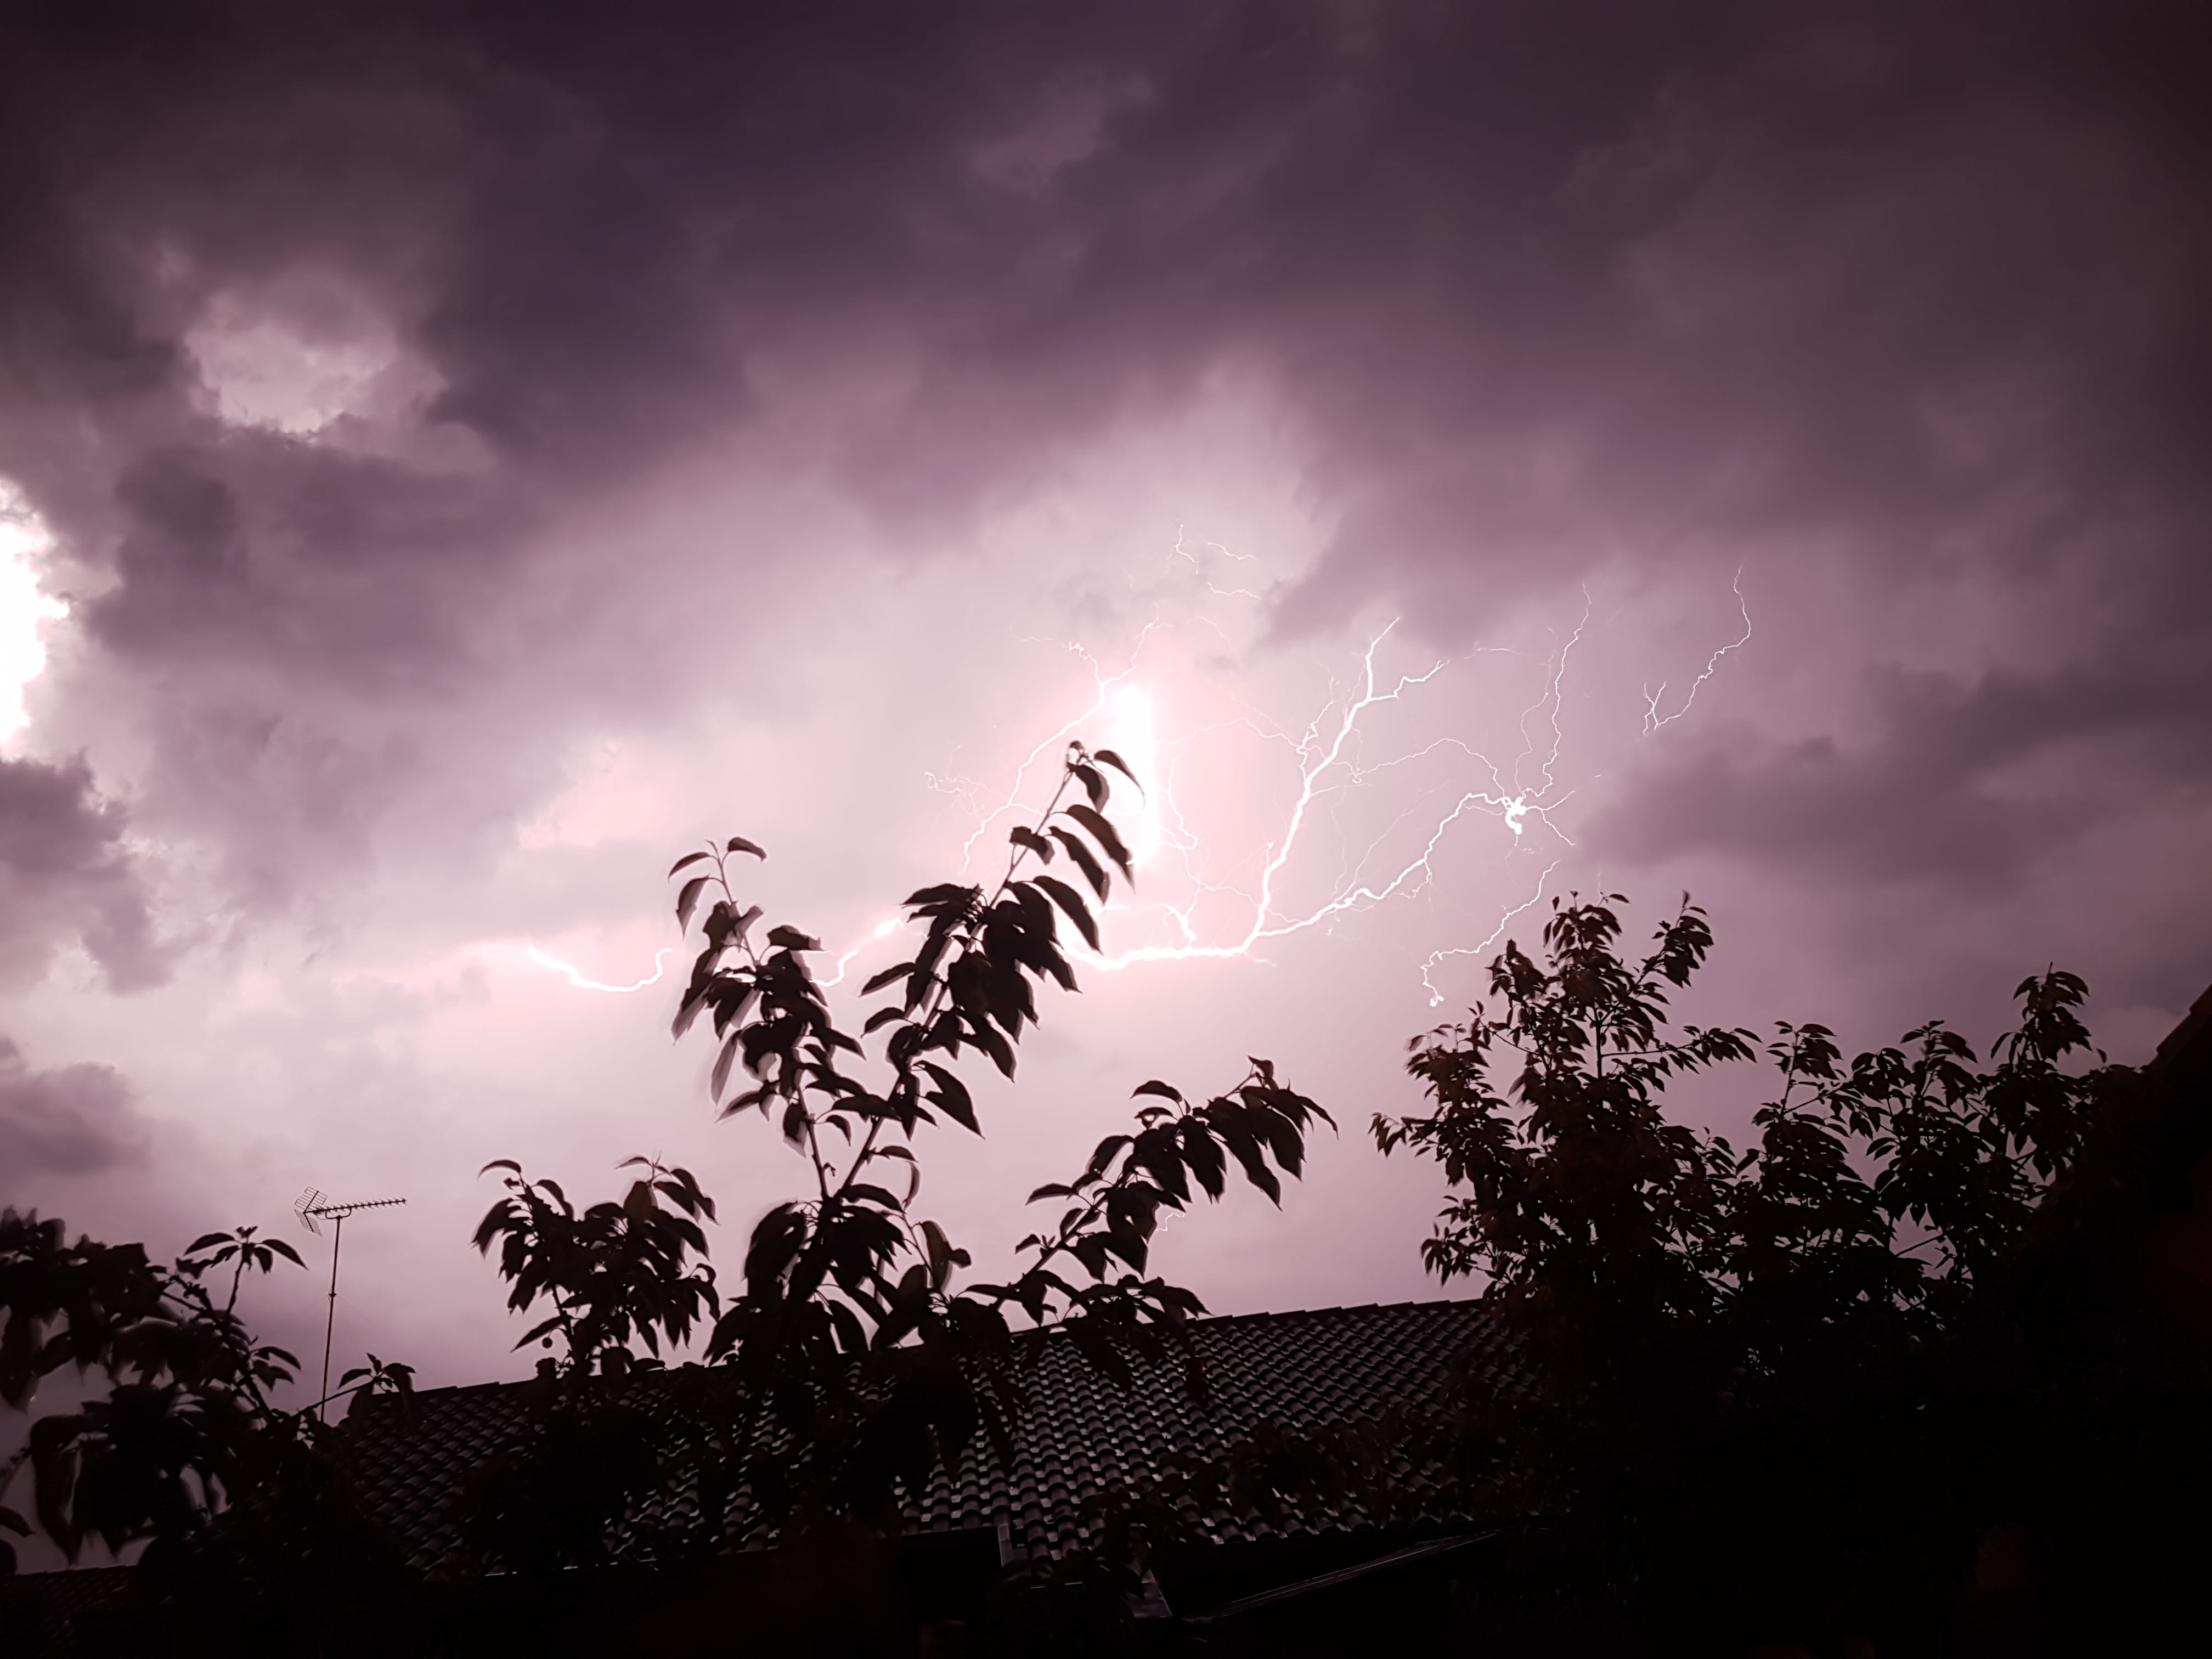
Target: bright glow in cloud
{"points": [[1129, 732], [24, 609], [1377, 805], [1228, 897], [1327, 766], [267, 369]]}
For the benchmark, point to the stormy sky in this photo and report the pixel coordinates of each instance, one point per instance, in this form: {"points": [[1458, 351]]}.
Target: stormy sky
{"points": [[456, 458]]}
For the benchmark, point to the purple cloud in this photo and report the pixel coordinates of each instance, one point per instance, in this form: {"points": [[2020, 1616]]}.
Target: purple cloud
{"points": [[66, 874], [67, 1120], [486, 449]]}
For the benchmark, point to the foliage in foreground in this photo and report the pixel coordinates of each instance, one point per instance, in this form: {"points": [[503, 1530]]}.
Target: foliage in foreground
{"points": [[853, 1360], [1801, 1387], [1787, 1386], [187, 1427]]}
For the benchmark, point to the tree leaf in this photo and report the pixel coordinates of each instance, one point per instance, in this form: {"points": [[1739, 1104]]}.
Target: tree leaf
{"points": [[688, 900], [951, 1095], [1071, 901], [720, 1076], [1102, 831], [877, 982], [739, 844], [1107, 758], [687, 862], [1084, 859], [913, 1168]]}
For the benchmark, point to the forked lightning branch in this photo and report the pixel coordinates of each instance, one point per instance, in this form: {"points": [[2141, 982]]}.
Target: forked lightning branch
{"points": [[1205, 898]]}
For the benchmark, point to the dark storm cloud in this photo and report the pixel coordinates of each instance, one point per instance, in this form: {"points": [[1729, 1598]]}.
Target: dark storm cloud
{"points": [[65, 873], [1966, 784], [601, 219], [1543, 286], [69, 1120], [264, 551], [442, 403], [1646, 237]]}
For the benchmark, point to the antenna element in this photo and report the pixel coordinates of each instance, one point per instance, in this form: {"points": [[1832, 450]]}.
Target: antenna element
{"points": [[312, 1207]]}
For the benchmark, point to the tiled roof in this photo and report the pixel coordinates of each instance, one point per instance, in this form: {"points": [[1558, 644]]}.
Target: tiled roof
{"points": [[1082, 1431], [38, 1611]]}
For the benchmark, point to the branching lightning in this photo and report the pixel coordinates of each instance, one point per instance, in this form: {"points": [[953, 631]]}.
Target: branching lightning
{"points": [[1182, 550], [1653, 719], [1328, 765], [1524, 795], [1324, 767], [1438, 958]]}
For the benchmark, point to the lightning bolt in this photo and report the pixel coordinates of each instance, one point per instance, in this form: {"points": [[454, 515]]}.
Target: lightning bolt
{"points": [[1653, 719], [1523, 795], [1437, 958], [882, 930], [1182, 550], [575, 975], [1322, 756]]}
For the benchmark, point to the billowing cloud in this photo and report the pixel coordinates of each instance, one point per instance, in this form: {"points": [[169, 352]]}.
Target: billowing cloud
{"points": [[1958, 784], [66, 1121], [65, 873], [486, 447]]}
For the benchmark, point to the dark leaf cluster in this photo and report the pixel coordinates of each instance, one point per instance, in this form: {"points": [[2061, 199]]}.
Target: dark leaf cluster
{"points": [[1725, 1329], [851, 1361], [187, 1425]]}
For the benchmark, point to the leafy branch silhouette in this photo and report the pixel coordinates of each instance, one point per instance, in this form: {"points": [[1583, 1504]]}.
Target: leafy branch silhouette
{"points": [[852, 1361]]}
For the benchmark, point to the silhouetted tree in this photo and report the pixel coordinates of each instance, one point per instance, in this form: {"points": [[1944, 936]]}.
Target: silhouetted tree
{"points": [[247, 1509], [1781, 1391], [853, 1360], [186, 1423], [1764, 1371]]}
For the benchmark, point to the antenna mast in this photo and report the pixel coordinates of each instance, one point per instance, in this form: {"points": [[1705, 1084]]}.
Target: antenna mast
{"points": [[313, 1208]]}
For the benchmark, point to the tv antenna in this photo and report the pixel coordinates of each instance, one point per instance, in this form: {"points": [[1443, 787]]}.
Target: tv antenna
{"points": [[313, 1208]]}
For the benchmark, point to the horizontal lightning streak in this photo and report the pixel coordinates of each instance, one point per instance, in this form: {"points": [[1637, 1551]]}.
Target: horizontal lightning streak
{"points": [[546, 959], [1182, 550]]}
